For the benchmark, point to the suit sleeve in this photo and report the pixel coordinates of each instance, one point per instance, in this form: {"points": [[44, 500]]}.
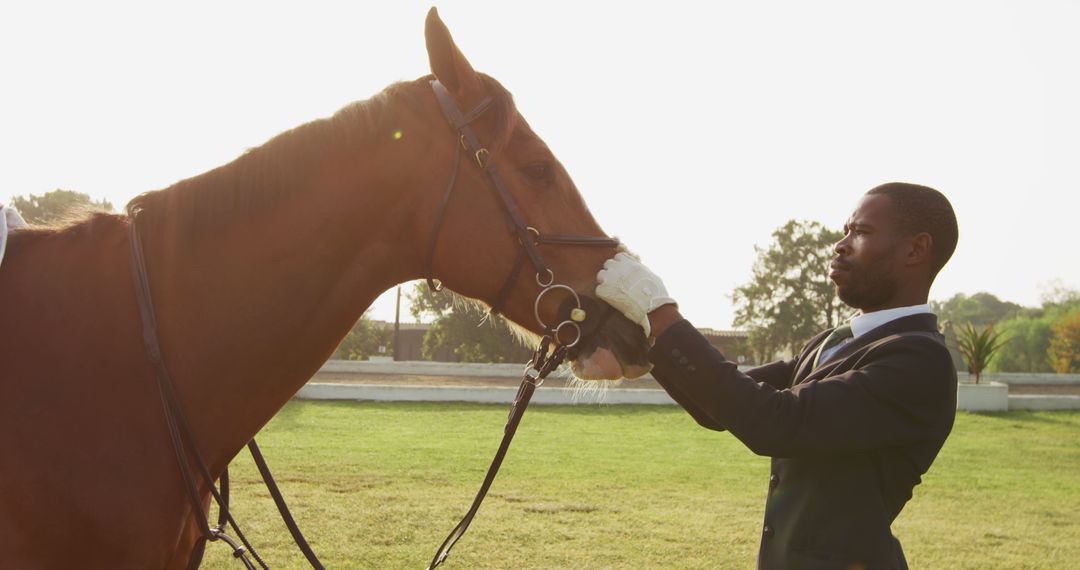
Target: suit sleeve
{"points": [[900, 395], [776, 374]]}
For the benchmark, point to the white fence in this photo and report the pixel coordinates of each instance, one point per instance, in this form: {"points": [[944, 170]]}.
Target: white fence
{"points": [[990, 395]]}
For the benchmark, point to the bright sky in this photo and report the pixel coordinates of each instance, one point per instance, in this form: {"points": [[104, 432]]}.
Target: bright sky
{"points": [[693, 129]]}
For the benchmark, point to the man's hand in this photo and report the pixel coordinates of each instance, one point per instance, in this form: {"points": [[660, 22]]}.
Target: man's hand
{"points": [[626, 284]]}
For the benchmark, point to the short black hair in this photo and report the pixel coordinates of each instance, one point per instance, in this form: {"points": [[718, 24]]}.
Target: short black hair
{"points": [[922, 209]]}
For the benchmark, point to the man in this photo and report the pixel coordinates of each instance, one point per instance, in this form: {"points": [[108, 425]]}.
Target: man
{"points": [[10, 220], [853, 421]]}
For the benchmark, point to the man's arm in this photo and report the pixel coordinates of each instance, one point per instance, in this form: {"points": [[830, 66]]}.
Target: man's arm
{"points": [[901, 396], [776, 374], [903, 391]]}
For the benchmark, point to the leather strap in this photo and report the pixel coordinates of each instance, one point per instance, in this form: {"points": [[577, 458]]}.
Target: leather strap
{"points": [[183, 441], [440, 215], [179, 431], [283, 509], [539, 367]]}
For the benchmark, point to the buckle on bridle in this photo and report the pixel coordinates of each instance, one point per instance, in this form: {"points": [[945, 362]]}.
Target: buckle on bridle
{"points": [[533, 374], [482, 158]]}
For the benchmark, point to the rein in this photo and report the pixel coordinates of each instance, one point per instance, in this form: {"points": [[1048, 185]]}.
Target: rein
{"points": [[538, 368]]}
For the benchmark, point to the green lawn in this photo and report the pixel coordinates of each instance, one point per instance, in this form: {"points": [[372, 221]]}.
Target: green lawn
{"points": [[378, 485]]}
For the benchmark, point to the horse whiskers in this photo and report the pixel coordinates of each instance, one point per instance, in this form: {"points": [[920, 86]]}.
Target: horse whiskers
{"points": [[594, 391]]}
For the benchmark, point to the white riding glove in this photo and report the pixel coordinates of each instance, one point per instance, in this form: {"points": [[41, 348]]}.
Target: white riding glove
{"points": [[626, 284]]}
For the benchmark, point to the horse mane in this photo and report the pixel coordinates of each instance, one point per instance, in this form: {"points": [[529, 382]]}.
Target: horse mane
{"points": [[80, 224], [265, 174]]}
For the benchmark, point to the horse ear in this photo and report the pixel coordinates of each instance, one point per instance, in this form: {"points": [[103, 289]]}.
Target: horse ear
{"points": [[447, 62]]}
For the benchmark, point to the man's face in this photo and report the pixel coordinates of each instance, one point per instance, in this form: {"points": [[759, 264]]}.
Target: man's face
{"points": [[869, 256]]}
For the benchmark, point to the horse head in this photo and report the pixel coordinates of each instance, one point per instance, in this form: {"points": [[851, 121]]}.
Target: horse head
{"points": [[509, 226]]}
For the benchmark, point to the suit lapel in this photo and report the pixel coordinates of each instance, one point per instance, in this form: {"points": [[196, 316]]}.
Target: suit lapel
{"points": [[921, 322], [806, 359]]}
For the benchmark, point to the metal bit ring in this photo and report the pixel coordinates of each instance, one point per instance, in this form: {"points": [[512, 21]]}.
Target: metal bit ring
{"points": [[547, 289], [550, 278], [559, 329]]}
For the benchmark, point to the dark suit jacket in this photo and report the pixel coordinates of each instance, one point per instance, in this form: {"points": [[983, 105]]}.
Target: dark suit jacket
{"points": [[849, 440]]}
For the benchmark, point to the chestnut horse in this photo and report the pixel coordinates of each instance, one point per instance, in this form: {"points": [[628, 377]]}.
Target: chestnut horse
{"points": [[258, 269]]}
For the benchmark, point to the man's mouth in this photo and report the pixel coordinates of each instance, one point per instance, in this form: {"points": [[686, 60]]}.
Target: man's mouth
{"points": [[838, 267]]}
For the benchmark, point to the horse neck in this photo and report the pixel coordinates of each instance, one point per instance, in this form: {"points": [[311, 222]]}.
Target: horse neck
{"points": [[250, 310]]}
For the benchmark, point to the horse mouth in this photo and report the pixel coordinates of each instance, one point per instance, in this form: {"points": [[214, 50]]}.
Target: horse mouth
{"points": [[611, 347], [602, 364]]}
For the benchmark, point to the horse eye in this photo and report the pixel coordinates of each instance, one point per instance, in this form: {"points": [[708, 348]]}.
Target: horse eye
{"points": [[539, 172]]}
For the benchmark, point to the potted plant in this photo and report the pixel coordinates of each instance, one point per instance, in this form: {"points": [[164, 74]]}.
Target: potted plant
{"points": [[978, 347]]}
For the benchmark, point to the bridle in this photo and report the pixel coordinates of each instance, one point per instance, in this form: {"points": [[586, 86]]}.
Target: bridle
{"points": [[529, 237], [551, 350], [548, 356]]}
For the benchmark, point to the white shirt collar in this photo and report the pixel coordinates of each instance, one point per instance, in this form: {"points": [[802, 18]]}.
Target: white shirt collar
{"points": [[867, 322]]}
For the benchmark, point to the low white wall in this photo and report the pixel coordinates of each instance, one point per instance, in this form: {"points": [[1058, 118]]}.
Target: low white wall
{"points": [[1040, 402], [991, 394], [1029, 378], [514, 370], [425, 368], [489, 395], [967, 400]]}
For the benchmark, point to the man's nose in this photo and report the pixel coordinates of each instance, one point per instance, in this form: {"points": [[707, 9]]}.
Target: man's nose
{"points": [[842, 247]]}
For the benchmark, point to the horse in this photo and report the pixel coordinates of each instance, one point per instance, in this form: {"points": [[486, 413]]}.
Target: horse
{"points": [[258, 268]]}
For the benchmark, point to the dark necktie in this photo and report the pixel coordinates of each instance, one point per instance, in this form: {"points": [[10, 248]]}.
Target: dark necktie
{"points": [[839, 335]]}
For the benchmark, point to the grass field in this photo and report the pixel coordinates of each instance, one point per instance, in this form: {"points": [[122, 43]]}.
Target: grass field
{"points": [[378, 485]]}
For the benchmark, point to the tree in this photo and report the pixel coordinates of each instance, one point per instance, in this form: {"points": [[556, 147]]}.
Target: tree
{"points": [[1058, 295], [978, 347], [464, 328], [1031, 332], [423, 301], [1064, 351], [363, 341], [1029, 341], [56, 205], [790, 296], [980, 309]]}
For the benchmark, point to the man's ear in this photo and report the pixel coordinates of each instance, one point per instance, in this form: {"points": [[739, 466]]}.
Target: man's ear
{"points": [[447, 62], [920, 249]]}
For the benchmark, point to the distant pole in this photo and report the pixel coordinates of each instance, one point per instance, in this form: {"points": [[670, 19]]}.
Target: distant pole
{"points": [[397, 323]]}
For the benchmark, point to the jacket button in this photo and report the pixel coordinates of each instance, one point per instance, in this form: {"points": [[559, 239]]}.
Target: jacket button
{"points": [[767, 531], [774, 480]]}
